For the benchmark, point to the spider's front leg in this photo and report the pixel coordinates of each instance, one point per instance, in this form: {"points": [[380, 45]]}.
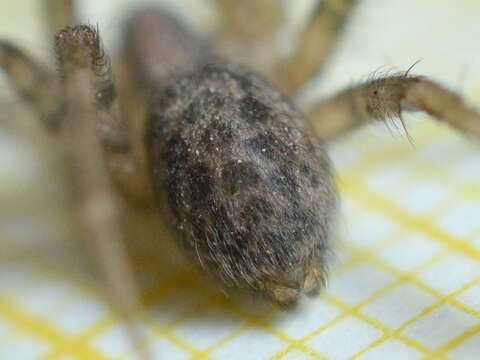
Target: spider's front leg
{"points": [[92, 130], [98, 149], [387, 97], [80, 111]]}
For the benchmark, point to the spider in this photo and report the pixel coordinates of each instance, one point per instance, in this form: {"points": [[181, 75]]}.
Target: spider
{"points": [[211, 147]]}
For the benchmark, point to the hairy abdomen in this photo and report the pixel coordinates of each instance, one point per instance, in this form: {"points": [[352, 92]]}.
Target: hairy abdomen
{"points": [[240, 176]]}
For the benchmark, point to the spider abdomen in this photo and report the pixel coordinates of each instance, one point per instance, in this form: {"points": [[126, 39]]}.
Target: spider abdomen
{"points": [[247, 187]]}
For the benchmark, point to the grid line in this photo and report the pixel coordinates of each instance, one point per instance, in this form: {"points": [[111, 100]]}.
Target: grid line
{"points": [[44, 331], [441, 352], [378, 203], [103, 324], [392, 333], [366, 199], [354, 310], [442, 299], [263, 324]]}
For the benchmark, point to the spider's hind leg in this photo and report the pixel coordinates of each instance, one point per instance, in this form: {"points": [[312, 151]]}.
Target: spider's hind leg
{"points": [[59, 14], [251, 19], [315, 44], [248, 30], [34, 83], [387, 97]]}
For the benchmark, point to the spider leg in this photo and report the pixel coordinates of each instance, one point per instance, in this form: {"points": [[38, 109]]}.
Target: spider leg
{"points": [[387, 97], [36, 85], [248, 30], [315, 44], [87, 86], [59, 14], [43, 91], [250, 19]]}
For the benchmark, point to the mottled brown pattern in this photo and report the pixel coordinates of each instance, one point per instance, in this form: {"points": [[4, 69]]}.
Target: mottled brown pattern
{"points": [[242, 197]]}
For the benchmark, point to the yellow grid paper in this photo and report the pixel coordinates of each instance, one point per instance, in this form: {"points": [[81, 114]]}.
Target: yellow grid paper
{"points": [[405, 278]]}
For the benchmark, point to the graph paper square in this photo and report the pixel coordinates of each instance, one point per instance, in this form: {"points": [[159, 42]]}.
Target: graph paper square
{"points": [[349, 331], [207, 328], [468, 350], [311, 315], [264, 344], [404, 301], [468, 169], [297, 355], [460, 221], [450, 273], [367, 279], [25, 348], [471, 297], [78, 317], [439, 326], [163, 349], [412, 251], [386, 180], [371, 229], [43, 298], [4, 330], [391, 350], [114, 341], [422, 197]]}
